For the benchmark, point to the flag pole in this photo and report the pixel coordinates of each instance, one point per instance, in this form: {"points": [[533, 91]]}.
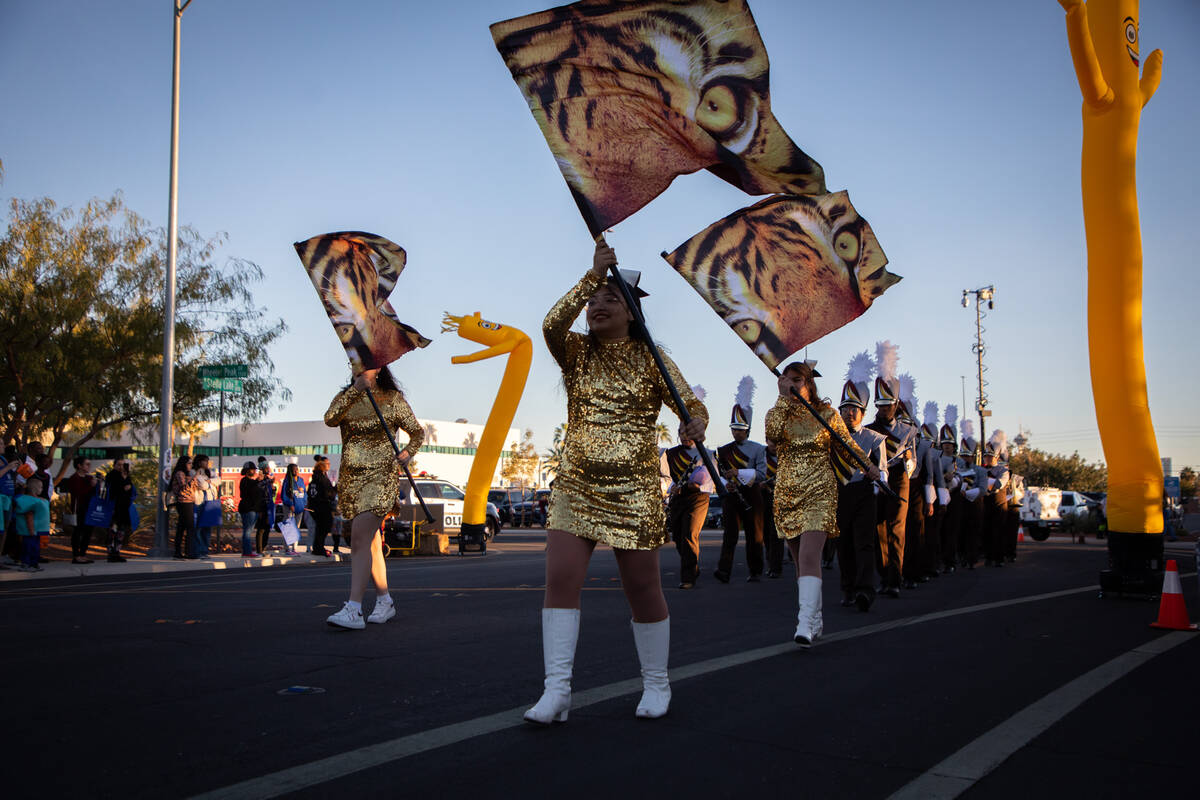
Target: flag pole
{"points": [[845, 446], [395, 447], [639, 322]]}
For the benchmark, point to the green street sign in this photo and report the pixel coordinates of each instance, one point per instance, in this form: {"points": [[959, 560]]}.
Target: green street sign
{"points": [[225, 371], [231, 385]]}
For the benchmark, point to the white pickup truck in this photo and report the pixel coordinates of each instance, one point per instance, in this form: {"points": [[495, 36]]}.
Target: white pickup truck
{"points": [[1039, 511]]}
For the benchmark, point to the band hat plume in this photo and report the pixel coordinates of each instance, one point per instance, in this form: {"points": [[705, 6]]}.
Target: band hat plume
{"points": [[949, 431], [997, 445], [743, 408], [969, 444], [786, 271], [630, 95], [354, 273], [929, 423], [700, 392], [860, 370], [886, 389], [908, 398]]}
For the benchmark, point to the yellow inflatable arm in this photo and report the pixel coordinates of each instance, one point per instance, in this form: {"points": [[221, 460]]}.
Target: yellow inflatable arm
{"points": [[1103, 36], [500, 340]]}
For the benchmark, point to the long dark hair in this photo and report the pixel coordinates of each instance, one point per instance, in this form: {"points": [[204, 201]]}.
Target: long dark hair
{"points": [[200, 462], [636, 332], [181, 464], [385, 380], [806, 375]]}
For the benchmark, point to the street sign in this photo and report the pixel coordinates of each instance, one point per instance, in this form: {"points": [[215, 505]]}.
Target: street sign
{"points": [[225, 371], [1171, 487], [231, 385]]}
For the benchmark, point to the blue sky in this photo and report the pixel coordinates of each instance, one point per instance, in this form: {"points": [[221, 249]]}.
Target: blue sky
{"points": [[954, 126]]}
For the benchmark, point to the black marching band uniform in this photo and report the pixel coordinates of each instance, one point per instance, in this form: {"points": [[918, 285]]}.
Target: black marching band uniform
{"points": [[972, 485], [856, 506], [950, 500], [687, 484], [922, 496], [892, 514], [748, 460]]}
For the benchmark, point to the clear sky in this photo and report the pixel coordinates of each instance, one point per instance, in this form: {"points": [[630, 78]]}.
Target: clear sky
{"points": [[955, 126]]}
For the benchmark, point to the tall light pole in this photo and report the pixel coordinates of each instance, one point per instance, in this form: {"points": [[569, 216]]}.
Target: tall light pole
{"points": [[165, 442], [982, 295]]}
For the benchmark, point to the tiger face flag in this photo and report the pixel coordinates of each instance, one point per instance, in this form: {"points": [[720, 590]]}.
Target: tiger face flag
{"points": [[631, 93], [786, 271], [354, 272]]}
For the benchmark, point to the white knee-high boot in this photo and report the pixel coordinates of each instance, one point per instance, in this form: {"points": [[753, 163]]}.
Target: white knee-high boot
{"points": [[653, 642], [560, 633], [809, 621]]}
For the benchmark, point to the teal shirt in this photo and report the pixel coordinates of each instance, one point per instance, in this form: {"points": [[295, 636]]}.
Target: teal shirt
{"points": [[5, 505], [40, 507]]}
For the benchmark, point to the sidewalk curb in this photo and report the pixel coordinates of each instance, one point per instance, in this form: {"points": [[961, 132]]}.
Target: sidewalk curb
{"points": [[159, 566]]}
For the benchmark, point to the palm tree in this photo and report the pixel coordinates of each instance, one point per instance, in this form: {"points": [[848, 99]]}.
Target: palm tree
{"points": [[470, 440], [553, 457], [664, 432]]}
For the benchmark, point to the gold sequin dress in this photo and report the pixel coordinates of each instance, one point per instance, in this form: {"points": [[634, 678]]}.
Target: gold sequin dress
{"points": [[368, 479], [805, 486], [607, 488]]}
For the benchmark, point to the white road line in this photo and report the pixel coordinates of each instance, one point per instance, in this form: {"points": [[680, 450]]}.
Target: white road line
{"points": [[313, 773], [965, 768]]}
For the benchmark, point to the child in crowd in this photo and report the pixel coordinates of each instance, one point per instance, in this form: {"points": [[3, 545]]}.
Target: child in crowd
{"points": [[32, 522], [5, 513]]}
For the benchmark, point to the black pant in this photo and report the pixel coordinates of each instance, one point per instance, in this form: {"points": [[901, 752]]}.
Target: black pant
{"points": [[118, 534], [914, 533], [262, 533], [891, 517], [322, 521], [81, 538], [751, 519], [856, 540], [933, 540], [1011, 529], [971, 531], [996, 526], [685, 517], [185, 528], [772, 544], [951, 524]]}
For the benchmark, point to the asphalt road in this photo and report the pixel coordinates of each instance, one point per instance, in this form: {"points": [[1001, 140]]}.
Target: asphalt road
{"points": [[168, 687]]}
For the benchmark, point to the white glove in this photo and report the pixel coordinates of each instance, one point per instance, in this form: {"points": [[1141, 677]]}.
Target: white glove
{"points": [[930, 494], [910, 466], [943, 496], [971, 494]]}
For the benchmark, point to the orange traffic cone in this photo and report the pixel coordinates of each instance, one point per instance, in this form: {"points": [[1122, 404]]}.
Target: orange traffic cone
{"points": [[1172, 611], [1021, 533]]}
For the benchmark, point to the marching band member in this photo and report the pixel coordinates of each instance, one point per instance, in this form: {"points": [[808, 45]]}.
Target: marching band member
{"points": [[936, 506], [950, 499], [974, 484], [607, 488], [856, 495], [996, 504], [688, 488], [891, 515], [921, 495], [806, 494], [743, 467]]}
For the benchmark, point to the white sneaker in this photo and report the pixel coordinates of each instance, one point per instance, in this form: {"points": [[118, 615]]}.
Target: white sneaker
{"points": [[347, 618], [382, 612]]}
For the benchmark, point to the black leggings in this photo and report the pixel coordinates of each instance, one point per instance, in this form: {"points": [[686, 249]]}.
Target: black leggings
{"points": [[185, 531], [263, 533], [81, 537]]}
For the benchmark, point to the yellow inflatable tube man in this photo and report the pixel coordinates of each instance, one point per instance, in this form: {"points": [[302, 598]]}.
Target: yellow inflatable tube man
{"points": [[500, 339], [1103, 35]]}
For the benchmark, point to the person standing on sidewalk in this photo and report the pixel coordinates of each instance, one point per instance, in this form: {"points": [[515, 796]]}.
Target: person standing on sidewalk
{"points": [[183, 489], [294, 496], [206, 492], [120, 491], [80, 485], [608, 488], [32, 514], [266, 506], [320, 505], [248, 499], [369, 483]]}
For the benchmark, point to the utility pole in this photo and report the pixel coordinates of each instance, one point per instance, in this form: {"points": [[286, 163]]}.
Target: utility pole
{"points": [[165, 443], [982, 295]]}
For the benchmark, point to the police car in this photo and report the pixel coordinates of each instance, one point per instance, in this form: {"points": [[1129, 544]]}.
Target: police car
{"points": [[452, 499]]}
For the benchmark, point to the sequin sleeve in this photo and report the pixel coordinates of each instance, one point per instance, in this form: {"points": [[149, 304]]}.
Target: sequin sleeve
{"points": [[409, 424], [341, 404], [690, 401], [776, 421], [839, 429], [564, 344]]}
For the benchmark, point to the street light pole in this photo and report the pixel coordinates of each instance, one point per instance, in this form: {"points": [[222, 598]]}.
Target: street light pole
{"points": [[165, 442], [983, 294]]}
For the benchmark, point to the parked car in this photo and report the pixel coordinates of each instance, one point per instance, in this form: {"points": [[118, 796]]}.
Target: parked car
{"points": [[713, 518], [1039, 511], [452, 499], [504, 500], [531, 511], [1079, 512]]}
